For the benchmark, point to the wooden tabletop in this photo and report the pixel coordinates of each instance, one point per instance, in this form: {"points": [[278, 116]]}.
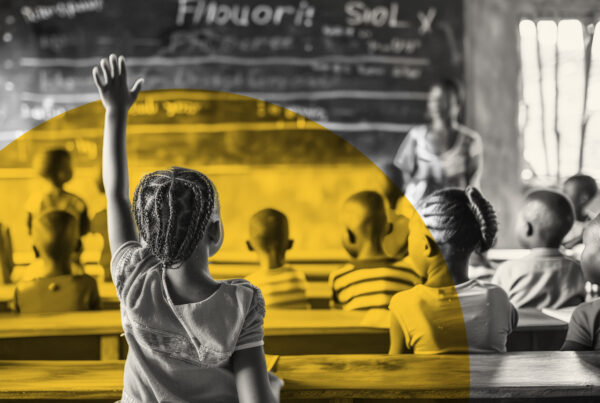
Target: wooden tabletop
{"points": [[277, 322], [78, 323], [79, 380], [513, 375], [534, 319]]}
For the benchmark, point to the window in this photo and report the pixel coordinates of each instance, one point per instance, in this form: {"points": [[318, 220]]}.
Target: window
{"points": [[559, 114]]}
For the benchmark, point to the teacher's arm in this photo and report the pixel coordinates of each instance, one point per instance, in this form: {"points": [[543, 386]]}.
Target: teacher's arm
{"points": [[475, 163], [406, 159]]}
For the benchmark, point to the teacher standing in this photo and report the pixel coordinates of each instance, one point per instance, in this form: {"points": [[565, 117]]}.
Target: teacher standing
{"points": [[442, 153]]}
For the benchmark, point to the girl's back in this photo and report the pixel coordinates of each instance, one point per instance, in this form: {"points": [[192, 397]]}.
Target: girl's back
{"points": [[181, 352]]}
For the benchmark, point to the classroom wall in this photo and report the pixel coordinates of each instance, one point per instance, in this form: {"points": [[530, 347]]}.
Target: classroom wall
{"points": [[492, 89], [491, 77]]}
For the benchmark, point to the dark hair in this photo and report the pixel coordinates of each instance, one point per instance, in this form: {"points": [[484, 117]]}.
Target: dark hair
{"points": [[269, 223], [585, 183], [465, 220], [48, 163], [555, 217], [450, 85], [172, 210]]}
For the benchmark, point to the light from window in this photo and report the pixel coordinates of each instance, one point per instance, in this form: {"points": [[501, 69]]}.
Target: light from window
{"points": [[560, 99]]}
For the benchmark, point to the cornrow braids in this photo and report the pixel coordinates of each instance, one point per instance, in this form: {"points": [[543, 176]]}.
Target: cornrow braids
{"points": [[486, 218], [463, 219], [172, 210]]}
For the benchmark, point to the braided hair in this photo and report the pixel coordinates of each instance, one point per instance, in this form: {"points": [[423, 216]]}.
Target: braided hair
{"points": [[465, 220], [172, 210]]}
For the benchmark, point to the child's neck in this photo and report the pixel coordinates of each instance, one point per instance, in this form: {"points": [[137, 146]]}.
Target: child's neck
{"points": [[191, 282], [54, 187], [371, 251], [448, 269], [268, 260], [54, 268]]}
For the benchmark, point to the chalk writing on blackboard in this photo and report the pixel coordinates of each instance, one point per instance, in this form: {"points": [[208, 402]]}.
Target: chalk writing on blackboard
{"points": [[360, 68]]}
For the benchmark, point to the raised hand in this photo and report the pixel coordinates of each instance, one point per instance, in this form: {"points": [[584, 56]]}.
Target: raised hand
{"points": [[112, 84]]}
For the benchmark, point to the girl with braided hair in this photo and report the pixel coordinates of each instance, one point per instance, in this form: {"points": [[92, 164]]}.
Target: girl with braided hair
{"points": [[450, 313], [191, 338]]}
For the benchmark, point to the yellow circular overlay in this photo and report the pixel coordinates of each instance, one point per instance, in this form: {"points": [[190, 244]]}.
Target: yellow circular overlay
{"points": [[259, 155]]}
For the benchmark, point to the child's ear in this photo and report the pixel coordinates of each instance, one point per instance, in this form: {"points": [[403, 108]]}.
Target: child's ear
{"points": [[431, 248], [250, 247], [529, 229], [351, 236], [290, 244], [214, 232], [390, 228]]}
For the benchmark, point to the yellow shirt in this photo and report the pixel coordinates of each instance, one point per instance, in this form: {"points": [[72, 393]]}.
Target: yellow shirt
{"points": [[470, 317]]}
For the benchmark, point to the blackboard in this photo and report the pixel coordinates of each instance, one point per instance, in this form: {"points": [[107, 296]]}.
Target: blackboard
{"points": [[359, 68]]}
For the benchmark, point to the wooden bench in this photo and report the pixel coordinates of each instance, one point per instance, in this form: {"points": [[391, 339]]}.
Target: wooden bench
{"points": [[344, 378]]}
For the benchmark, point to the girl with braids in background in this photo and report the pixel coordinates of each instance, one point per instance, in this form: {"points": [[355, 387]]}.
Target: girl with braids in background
{"points": [[191, 338], [432, 318]]}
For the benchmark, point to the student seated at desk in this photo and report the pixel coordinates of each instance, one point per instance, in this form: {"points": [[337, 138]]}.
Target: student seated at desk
{"points": [[395, 244], [441, 317], [55, 289], [581, 190], [545, 278], [371, 278], [282, 286], [55, 169]]}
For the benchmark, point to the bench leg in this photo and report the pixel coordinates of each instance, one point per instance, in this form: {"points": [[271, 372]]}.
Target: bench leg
{"points": [[109, 347]]}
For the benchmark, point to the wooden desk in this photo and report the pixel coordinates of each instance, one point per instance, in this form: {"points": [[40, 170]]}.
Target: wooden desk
{"points": [[499, 376], [537, 331], [95, 335], [325, 332], [557, 375]]}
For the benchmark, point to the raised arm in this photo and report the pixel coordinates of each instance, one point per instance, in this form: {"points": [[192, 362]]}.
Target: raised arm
{"points": [[111, 81]]}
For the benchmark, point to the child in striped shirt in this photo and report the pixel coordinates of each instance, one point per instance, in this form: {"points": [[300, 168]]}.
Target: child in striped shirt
{"points": [[282, 286], [371, 278]]}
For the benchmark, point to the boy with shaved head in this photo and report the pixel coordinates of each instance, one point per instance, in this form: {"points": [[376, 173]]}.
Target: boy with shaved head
{"points": [[370, 279], [545, 278], [282, 286]]}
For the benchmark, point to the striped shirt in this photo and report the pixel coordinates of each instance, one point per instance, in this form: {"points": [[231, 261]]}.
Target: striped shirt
{"points": [[371, 284], [282, 287]]}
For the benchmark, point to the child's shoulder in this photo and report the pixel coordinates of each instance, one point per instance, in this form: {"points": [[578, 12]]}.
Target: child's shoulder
{"points": [[408, 297], [245, 294]]}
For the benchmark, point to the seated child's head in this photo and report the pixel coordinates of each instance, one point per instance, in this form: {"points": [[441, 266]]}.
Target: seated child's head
{"points": [[590, 257], [269, 236], [451, 225], [581, 189], [55, 166], [365, 224], [55, 235], [544, 220], [391, 185], [178, 215]]}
